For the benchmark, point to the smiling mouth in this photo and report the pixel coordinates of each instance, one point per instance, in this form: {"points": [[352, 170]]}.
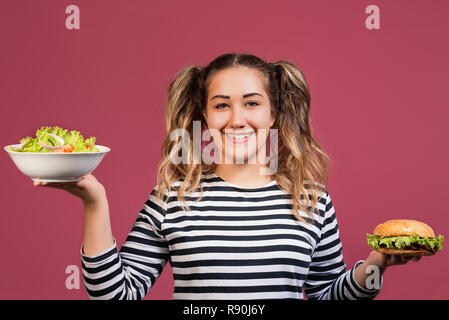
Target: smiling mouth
{"points": [[238, 138]]}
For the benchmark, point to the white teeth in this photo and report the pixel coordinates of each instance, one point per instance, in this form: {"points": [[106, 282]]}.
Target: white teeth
{"points": [[238, 136]]}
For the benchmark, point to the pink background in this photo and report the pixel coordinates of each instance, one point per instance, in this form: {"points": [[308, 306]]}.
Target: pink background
{"points": [[379, 109]]}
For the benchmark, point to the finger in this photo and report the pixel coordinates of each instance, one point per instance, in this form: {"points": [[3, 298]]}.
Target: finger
{"points": [[406, 259], [392, 260], [68, 186], [73, 188], [397, 259], [39, 183], [58, 185], [84, 180], [51, 184], [89, 178]]}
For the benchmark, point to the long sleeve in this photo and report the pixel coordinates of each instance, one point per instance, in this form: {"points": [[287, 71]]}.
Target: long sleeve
{"points": [[328, 278], [130, 273]]}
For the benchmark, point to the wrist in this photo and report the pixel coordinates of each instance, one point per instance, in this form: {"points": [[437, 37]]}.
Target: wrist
{"points": [[96, 196], [94, 205], [366, 276]]}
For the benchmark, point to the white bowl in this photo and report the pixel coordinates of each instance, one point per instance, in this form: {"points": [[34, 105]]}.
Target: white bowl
{"points": [[57, 167]]}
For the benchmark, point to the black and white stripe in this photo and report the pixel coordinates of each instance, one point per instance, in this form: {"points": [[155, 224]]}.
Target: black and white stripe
{"points": [[235, 243]]}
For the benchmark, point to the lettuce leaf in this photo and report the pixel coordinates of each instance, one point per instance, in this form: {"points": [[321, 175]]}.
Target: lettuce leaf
{"points": [[401, 242], [73, 137]]}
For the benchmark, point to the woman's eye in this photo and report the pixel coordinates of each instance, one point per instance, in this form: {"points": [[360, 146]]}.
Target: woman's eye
{"points": [[253, 104], [220, 106]]}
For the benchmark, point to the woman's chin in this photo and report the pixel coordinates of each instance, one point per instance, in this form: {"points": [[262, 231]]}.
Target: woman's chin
{"points": [[240, 159]]}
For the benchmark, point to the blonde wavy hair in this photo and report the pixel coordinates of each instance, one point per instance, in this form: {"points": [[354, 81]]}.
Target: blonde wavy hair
{"points": [[302, 163]]}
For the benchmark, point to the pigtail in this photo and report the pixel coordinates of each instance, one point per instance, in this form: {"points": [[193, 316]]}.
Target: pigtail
{"points": [[183, 97], [293, 97], [183, 107], [303, 159]]}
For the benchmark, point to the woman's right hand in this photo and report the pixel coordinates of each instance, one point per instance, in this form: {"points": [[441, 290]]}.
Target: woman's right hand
{"points": [[88, 189], [97, 225]]}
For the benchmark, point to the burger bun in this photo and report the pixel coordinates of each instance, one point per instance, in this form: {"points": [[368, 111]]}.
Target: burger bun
{"points": [[403, 227]]}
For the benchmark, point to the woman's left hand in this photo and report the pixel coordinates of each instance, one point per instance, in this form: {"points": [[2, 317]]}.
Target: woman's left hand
{"points": [[382, 261], [391, 259]]}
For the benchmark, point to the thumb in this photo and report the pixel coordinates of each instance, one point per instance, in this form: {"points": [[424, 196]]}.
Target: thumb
{"points": [[39, 183]]}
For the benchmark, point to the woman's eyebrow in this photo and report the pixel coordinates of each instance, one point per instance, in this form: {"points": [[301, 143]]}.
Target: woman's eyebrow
{"points": [[252, 94], [244, 96], [219, 96]]}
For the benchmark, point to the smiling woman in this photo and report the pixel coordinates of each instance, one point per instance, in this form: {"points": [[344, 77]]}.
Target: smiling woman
{"points": [[240, 98], [228, 231]]}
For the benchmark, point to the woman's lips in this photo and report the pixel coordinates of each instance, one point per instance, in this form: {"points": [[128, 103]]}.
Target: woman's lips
{"points": [[238, 137]]}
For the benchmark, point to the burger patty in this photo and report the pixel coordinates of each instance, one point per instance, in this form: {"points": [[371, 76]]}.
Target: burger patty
{"points": [[415, 247]]}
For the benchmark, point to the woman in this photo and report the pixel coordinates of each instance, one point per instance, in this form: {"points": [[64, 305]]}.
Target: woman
{"points": [[232, 224]]}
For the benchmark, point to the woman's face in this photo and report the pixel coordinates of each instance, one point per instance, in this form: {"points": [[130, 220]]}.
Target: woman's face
{"points": [[238, 107]]}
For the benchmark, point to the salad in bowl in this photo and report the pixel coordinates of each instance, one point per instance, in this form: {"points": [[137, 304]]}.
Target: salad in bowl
{"points": [[56, 155]]}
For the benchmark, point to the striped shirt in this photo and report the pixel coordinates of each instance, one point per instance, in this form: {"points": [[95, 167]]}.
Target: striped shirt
{"points": [[235, 243]]}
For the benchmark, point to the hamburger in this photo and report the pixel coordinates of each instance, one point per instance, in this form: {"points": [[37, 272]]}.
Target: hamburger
{"points": [[405, 237]]}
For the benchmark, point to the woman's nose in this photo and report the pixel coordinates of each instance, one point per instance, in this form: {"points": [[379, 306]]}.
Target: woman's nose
{"points": [[237, 119]]}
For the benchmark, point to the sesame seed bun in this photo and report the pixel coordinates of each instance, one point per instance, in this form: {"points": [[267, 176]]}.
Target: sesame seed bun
{"points": [[403, 227]]}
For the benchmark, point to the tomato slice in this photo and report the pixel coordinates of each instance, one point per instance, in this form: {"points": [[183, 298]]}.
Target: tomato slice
{"points": [[68, 148]]}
